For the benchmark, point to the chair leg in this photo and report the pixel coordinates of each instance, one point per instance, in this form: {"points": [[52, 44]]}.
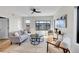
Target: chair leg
{"points": [[19, 44], [47, 47], [11, 43]]}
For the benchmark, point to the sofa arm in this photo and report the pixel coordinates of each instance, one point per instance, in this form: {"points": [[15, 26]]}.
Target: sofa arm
{"points": [[14, 39]]}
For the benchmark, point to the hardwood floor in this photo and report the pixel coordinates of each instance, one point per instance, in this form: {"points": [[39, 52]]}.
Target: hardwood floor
{"points": [[4, 44], [27, 47]]}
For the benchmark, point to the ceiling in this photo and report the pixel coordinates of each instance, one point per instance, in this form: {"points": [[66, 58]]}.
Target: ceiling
{"points": [[25, 10]]}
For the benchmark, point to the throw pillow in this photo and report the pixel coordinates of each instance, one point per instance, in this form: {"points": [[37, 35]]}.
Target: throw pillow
{"points": [[25, 32], [16, 34]]}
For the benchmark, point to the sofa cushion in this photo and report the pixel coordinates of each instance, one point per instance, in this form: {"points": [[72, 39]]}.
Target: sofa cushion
{"points": [[25, 32], [23, 37]]}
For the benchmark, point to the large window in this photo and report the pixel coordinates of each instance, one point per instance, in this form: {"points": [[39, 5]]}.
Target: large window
{"points": [[42, 25], [61, 22]]}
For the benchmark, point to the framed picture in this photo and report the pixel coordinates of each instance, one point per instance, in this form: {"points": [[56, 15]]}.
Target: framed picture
{"points": [[61, 22]]}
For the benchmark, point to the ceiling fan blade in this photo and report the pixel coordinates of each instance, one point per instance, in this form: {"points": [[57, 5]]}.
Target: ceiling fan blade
{"points": [[35, 10], [32, 12], [38, 11]]}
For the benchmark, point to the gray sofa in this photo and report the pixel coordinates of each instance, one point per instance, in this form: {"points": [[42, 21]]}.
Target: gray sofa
{"points": [[18, 37]]}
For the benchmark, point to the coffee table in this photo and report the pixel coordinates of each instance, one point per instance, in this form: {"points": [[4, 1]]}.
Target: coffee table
{"points": [[35, 39]]}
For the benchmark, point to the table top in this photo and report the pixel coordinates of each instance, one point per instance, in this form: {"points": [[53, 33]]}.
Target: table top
{"points": [[34, 36]]}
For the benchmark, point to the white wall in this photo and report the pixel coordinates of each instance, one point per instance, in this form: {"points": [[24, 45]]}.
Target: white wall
{"points": [[69, 11], [15, 21], [34, 18], [15, 24]]}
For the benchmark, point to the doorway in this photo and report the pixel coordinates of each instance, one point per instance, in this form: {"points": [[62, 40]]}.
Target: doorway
{"points": [[4, 27]]}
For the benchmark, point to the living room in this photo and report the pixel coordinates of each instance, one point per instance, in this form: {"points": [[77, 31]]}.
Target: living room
{"points": [[39, 20]]}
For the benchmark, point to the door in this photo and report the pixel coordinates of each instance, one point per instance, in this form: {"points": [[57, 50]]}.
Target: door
{"points": [[4, 28]]}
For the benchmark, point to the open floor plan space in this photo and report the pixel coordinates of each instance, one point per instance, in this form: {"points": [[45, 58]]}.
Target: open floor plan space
{"points": [[39, 29], [26, 47]]}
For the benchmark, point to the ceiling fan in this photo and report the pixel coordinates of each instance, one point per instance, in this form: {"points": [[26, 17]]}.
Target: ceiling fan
{"points": [[34, 10]]}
